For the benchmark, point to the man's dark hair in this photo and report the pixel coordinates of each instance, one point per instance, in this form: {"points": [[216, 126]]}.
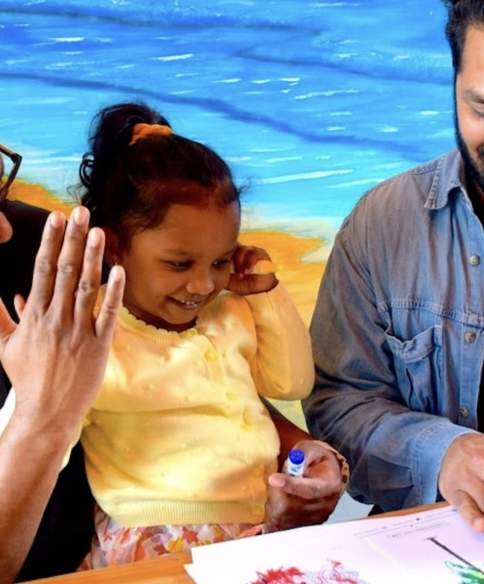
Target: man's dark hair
{"points": [[461, 15]]}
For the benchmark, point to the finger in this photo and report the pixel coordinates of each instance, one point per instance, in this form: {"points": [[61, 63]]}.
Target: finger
{"points": [[285, 511], [326, 472], [238, 258], [307, 512], [45, 269], [244, 259], [248, 257], [308, 488], [19, 304], [321, 509], [70, 262], [106, 319], [280, 500], [320, 461], [7, 326], [314, 451], [251, 283], [277, 480], [468, 509], [263, 267], [256, 256], [90, 279]]}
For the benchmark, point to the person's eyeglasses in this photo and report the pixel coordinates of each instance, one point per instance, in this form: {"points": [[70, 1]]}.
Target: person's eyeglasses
{"points": [[9, 165]]}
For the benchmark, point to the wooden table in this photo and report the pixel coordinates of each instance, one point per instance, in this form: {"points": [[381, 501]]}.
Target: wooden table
{"points": [[163, 570]]}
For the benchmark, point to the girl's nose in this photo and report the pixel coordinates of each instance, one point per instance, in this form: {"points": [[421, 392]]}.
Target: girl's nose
{"points": [[202, 284]]}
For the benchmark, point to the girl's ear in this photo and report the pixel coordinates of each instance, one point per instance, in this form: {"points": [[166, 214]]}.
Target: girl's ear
{"points": [[113, 247]]}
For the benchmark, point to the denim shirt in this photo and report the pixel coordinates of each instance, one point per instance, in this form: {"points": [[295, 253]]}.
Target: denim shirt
{"points": [[398, 334]]}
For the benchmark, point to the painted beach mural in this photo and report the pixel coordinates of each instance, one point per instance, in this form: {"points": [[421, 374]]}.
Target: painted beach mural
{"points": [[311, 102]]}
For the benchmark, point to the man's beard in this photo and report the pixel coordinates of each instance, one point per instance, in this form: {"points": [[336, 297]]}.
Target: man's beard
{"points": [[472, 172]]}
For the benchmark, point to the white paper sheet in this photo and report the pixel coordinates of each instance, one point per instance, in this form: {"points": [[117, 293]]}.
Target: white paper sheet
{"points": [[432, 546]]}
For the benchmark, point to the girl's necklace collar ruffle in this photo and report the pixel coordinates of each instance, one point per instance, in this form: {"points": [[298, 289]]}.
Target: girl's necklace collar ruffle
{"points": [[129, 321]]}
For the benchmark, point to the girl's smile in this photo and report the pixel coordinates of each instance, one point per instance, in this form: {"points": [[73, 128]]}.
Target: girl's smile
{"points": [[188, 305]]}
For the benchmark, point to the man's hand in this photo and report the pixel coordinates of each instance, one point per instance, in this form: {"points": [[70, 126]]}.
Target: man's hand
{"points": [[56, 356], [294, 502], [246, 279], [461, 479]]}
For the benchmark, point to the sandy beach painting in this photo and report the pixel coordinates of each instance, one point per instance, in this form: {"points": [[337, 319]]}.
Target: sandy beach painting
{"points": [[311, 102]]}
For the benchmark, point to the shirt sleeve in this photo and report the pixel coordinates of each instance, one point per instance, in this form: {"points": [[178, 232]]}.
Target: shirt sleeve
{"points": [[283, 365], [394, 453]]}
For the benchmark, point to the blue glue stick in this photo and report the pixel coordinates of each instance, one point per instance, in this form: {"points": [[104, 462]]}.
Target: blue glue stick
{"points": [[295, 463]]}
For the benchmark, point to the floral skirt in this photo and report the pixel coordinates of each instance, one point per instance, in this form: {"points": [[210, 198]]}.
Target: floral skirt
{"points": [[113, 544]]}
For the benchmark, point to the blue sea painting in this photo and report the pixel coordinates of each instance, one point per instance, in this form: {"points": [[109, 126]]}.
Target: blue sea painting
{"points": [[311, 102]]}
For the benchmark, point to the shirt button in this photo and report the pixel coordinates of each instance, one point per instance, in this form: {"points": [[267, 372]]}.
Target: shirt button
{"points": [[470, 336], [211, 355], [475, 260], [464, 412]]}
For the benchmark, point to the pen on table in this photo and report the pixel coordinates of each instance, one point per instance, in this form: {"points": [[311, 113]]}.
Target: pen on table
{"points": [[295, 463]]}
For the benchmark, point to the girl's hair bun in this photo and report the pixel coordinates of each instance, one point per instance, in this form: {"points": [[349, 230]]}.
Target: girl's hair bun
{"points": [[136, 167]]}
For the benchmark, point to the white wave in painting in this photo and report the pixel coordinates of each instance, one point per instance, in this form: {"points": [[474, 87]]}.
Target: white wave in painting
{"points": [[273, 180], [67, 39], [168, 58]]}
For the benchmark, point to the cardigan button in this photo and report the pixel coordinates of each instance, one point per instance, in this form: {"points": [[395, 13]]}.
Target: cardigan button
{"points": [[211, 355]]}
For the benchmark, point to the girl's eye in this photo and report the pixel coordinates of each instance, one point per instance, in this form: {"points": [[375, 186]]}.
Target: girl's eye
{"points": [[180, 266], [221, 264]]}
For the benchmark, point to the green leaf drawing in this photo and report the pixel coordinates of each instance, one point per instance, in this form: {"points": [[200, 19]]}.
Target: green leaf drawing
{"points": [[468, 575]]}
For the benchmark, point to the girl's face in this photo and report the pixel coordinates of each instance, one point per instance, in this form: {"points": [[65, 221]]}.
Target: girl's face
{"points": [[177, 268]]}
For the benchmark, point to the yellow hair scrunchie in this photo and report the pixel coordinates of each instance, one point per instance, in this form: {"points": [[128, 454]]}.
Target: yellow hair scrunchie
{"points": [[141, 131]]}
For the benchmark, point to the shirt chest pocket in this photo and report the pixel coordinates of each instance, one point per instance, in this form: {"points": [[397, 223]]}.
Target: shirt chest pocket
{"points": [[418, 368]]}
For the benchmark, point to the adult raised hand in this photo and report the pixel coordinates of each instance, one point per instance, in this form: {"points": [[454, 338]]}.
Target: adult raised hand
{"points": [[56, 356], [461, 478], [310, 499]]}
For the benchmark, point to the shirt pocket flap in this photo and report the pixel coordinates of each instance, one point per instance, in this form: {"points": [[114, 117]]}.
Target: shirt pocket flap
{"points": [[418, 368], [417, 348]]}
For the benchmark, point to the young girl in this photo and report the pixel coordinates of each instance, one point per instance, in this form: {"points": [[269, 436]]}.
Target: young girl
{"points": [[178, 444]]}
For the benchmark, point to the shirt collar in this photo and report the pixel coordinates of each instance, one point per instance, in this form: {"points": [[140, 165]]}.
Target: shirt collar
{"points": [[447, 178]]}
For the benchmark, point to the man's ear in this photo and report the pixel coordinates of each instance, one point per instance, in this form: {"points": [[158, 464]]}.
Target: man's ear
{"points": [[113, 247]]}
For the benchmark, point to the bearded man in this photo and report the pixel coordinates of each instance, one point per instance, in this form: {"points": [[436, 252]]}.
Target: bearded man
{"points": [[398, 329]]}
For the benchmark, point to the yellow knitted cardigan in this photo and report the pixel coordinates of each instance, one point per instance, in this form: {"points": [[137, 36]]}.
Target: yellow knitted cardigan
{"points": [[177, 433]]}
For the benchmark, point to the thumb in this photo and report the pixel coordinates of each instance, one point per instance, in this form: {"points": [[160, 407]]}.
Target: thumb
{"points": [[277, 480], [7, 326]]}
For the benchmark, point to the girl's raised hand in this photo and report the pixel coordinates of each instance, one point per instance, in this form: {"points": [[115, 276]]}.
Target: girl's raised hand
{"points": [[248, 277]]}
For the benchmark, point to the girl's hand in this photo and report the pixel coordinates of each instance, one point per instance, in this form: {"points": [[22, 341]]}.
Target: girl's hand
{"points": [[245, 279], [307, 500]]}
